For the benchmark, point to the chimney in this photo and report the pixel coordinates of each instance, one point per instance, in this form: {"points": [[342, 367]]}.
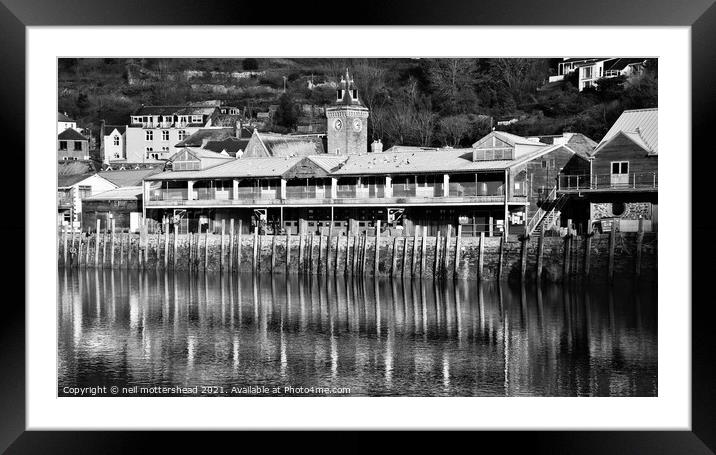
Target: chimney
{"points": [[376, 146]]}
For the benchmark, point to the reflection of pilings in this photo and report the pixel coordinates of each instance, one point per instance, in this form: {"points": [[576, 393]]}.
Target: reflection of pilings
{"points": [[424, 309]]}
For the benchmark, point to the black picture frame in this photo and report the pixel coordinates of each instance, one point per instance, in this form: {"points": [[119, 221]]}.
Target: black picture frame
{"points": [[700, 15]]}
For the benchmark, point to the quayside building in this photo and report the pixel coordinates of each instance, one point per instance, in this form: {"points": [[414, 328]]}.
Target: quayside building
{"points": [[300, 184]]}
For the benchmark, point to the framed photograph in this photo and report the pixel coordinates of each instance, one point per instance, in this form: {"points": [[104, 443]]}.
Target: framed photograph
{"points": [[432, 219]]}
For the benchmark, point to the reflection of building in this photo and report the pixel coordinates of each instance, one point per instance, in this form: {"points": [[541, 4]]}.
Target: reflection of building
{"points": [[623, 179], [298, 183]]}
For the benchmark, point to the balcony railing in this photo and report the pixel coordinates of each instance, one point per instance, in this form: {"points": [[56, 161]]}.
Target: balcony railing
{"points": [[168, 194], [634, 181], [208, 194]]}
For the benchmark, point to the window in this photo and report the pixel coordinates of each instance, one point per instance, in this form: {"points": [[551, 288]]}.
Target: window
{"points": [[548, 164], [84, 191], [148, 149], [165, 148], [165, 135], [183, 119], [117, 155], [182, 135], [116, 141], [149, 135], [588, 71], [78, 146], [196, 119], [63, 145], [620, 167]]}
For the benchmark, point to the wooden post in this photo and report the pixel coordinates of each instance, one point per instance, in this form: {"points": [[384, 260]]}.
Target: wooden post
{"points": [[436, 267], [231, 245], [503, 239], [481, 256], [612, 242], [301, 261], [221, 248], [567, 255], [96, 245], [64, 247], [320, 253], [175, 247], [206, 250], [87, 249], [256, 250], [328, 247], [377, 249], [446, 253], [414, 262], [158, 236], [273, 253], [422, 253], [456, 268], [639, 242], [238, 248], [523, 259], [540, 255], [191, 252], [128, 262], [405, 256], [365, 251], [310, 253], [166, 247], [111, 244], [288, 252], [144, 232], [588, 250], [395, 253]]}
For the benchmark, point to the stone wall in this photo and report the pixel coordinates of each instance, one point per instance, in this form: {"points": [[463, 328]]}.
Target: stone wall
{"points": [[398, 256]]}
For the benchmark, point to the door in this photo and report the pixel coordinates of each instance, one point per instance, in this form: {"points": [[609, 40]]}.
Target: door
{"points": [[620, 173]]}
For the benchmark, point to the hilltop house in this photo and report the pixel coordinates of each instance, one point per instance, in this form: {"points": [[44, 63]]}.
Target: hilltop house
{"points": [[72, 145], [622, 182], [64, 122], [590, 69], [313, 183]]}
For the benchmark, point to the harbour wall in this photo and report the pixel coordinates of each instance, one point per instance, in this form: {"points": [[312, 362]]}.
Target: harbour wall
{"points": [[514, 258]]}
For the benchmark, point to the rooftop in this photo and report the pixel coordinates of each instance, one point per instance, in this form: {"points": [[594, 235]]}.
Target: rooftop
{"points": [[71, 134], [212, 134], [128, 193], [130, 177], [62, 117], [641, 125]]}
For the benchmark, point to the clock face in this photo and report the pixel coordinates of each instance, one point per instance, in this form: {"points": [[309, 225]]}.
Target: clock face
{"points": [[338, 124], [357, 124]]}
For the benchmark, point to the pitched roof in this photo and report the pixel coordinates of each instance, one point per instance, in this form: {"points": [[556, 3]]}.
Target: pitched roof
{"points": [[127, 193], [130, 177], [288, 145], [71, 134], [409, 148], [231, 145], [64, 181], [640, 125], [621, 63], [509, 138], [245, 167], [61, 117], [213, 134], [108, 129], [76, 167], [450, 160]]}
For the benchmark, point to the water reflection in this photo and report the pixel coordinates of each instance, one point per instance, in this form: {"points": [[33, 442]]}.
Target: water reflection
{"points": [[375, 337]]}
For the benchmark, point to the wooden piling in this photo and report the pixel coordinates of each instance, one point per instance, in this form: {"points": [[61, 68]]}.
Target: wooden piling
{"points": [[423, 245], [111, 245], [405, 256], [301, 262], [446, 253], [523, 259], [273, 253], [567, 255], [87, 249], [365, 252], [72, 246], [354, 265], [612, 242], [328, 249], [96, 245], [310, 253], [395, 254], [288, 252], [255, 262], [413, 260], [639, 242], [458, 239], [175, 247], [206, 251], [481, 256], [503, 239], [231, 245], [64, 247], [588, 250], [222, 248], [191, 257], [540, 254], [158, 238], [377, 249], [319, 265], [238, 248], [436, 266]]}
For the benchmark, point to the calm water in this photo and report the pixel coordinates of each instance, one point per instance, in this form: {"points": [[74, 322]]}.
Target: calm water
{"points": [[228, 335]]}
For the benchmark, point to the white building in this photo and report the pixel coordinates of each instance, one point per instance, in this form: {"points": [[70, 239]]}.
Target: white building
{"points": [[64, 122], [72, 189], [154, 130], [591, 69], [114, 144]]}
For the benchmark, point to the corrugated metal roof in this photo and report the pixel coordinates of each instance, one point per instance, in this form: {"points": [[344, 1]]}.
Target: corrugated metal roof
{"points": [[641, 123], [127, 193], [245, 167], [128, 178], [455, 160]]}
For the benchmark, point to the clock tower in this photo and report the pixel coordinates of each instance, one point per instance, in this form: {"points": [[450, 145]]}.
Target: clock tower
{"points": [[347, 127]]}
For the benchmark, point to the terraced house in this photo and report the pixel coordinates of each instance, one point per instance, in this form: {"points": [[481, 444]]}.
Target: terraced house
{"points": [[301, 184]]}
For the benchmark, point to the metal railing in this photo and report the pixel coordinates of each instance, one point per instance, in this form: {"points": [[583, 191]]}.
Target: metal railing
{"points": [[632, 180], [168, 194]]}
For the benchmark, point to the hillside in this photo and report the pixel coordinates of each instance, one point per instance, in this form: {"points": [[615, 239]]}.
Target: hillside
{"points": [[412, 101]]}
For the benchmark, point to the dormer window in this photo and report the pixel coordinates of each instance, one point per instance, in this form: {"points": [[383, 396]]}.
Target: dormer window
{"points": [[354, 94]]}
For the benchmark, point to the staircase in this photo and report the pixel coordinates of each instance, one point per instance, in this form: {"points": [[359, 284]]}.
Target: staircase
{"points": [[548, 214]]}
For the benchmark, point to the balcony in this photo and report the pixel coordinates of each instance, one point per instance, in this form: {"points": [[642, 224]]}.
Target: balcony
{"points": [[64, 200], [626, 183]]}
